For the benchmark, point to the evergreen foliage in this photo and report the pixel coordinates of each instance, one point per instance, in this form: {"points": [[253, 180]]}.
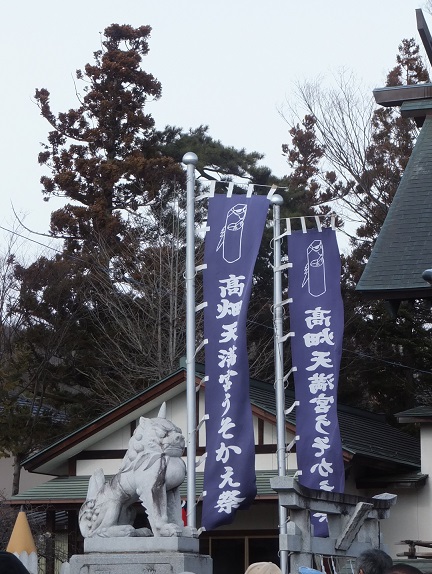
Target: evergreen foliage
{"points": [[90, 327], [105, 317], [387, 359]]}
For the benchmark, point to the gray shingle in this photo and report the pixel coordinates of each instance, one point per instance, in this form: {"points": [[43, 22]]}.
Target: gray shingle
{"points": [[403, 249]]}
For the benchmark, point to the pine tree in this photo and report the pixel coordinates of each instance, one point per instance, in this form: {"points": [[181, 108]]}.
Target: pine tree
{"points": [[118, 283], [102, 155], [105, 316]]}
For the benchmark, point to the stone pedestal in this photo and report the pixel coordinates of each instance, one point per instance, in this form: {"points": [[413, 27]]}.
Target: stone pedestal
{"points": [[171, 555]]}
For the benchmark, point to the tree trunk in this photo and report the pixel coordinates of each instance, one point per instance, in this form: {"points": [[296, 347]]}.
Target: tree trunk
{"points": [[16, 473]]}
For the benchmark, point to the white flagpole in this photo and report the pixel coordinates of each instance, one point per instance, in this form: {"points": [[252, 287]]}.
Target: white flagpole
{"points": [[190, 160], [277, 201]]}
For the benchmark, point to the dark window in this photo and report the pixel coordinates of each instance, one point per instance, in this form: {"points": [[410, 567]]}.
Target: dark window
{"points": [[234, 555], [228, 555], [263, 550]]}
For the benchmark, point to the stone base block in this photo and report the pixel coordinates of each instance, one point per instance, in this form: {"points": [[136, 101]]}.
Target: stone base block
{"points": [[140, 563], [141, 544]]}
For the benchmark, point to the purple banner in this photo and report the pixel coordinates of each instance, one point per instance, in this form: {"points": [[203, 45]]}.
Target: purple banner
{"points": [[231, 248], [316, 318]]}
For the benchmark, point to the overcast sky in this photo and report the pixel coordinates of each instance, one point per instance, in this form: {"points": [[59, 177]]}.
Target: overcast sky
{"points": [[231, 64]]}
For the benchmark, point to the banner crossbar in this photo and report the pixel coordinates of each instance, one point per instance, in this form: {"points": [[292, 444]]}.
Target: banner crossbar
{"points": [[302, 218], [249, 187]]}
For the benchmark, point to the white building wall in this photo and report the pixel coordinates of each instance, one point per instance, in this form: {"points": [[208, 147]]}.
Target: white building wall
{"points": [[270, 433], [402, 523], [269, 461], [87, 467], [411, 518], [176, 411], [117, 440], [424, 504]]}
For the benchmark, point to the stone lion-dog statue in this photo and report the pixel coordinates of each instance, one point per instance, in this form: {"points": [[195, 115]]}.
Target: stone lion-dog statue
{"points": [[151, 472]]}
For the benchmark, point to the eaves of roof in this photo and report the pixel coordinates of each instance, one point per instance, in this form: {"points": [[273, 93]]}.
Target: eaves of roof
{"points": [[389, 96], [419, 414], [408, 480]]}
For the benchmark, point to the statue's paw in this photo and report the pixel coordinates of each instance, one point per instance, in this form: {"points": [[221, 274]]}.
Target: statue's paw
{"points": [[142, 532], [189, 532], [170, 529], [121, 531]]}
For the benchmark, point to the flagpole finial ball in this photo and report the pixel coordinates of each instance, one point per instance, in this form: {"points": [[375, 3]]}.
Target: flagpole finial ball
{"points": [[190, 157], [276, 199]]}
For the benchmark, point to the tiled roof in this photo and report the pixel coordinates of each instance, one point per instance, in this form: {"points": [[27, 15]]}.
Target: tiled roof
{"points": [[363, 433], [370, 435], [403, 249], [47, 411], [74, 489]]}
